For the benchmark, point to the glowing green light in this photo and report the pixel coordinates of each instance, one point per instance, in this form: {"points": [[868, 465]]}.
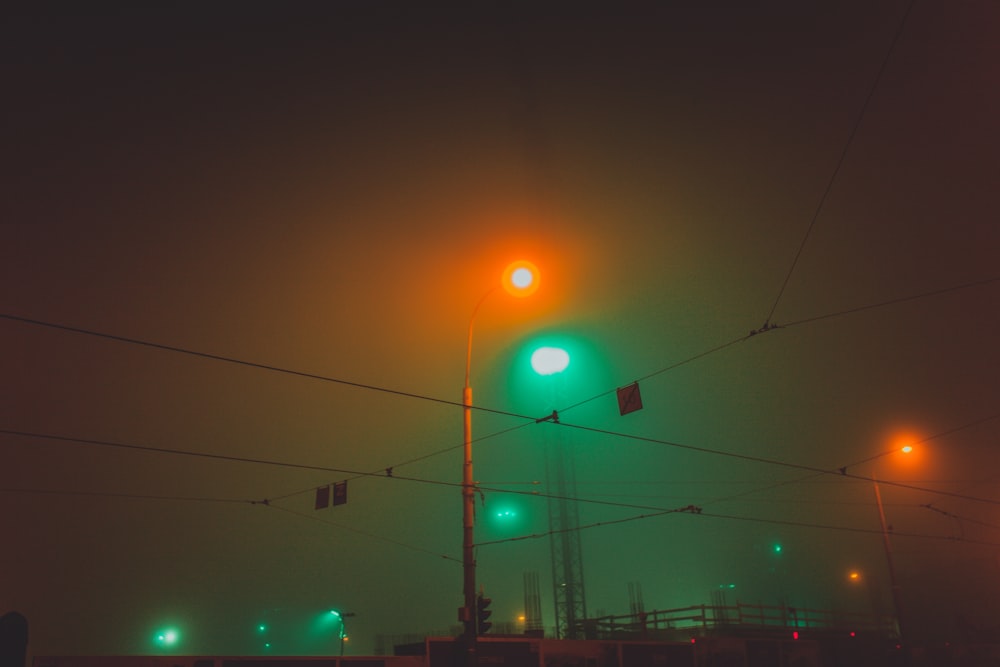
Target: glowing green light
{"points": [[167, 637], [261, 628], [549, 360], [777, 548]]}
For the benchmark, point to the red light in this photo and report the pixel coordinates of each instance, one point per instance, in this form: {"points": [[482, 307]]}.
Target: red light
{"points": [[692, 640], [852, 633], [795, 634]]}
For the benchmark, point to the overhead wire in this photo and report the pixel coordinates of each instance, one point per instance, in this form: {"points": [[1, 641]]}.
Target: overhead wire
{"points": [[787, 325], [250, 364], [351, 529], [769, 461], [528, 419], [697, 511], [840, 162]]}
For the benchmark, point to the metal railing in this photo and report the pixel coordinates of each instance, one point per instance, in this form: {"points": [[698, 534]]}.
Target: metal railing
{"points": [[706, 619]]}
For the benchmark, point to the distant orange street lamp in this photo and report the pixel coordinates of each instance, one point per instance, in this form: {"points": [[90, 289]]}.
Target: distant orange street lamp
{"points": [[519, 279], [893, 582]]}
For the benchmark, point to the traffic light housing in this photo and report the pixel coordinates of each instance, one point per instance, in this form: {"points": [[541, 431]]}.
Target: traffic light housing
{"points": [[483, 613]]}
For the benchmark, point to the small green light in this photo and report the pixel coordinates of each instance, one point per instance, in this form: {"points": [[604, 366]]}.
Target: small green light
{"points": [[777, 548]]}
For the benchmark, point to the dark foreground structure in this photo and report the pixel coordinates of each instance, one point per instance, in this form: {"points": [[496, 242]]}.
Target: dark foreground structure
{"points": [[534, 652], [742, 635]]}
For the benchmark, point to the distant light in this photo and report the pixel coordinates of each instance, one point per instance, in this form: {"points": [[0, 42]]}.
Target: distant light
{"points": [[167, 637], [549, 360], [795, 634], [907, 449], [261, 628], [852, 633], [777, 548], [335, 613], [854, 575]]}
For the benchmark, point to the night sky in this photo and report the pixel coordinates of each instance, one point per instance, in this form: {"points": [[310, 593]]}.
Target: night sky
{"points": [[241, 245]]}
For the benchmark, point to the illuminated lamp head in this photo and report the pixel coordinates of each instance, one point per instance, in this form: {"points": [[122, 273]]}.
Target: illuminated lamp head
{"points": [[549, 360], [520, 278]]}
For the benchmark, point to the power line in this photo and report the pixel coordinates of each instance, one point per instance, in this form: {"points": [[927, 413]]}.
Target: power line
{"points": [[250, 364], [688, 360], [843, 472], [313, 517], [890, 302], [167, 450], [136, 496], [267, 501], [385, 474], [840, 162], [771, 327], [697, 511], [389, 470]]}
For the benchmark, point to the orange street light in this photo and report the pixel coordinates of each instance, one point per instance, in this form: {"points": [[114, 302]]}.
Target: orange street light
{"points": [[887, 546], [520, 279]]}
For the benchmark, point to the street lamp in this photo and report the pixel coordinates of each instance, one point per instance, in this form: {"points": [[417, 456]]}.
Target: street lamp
{"points": [[519, 279], [893, 582], [340, 616]]}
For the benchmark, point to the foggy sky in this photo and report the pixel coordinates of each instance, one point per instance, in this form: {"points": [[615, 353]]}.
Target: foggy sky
{"points": [[328, 190]]}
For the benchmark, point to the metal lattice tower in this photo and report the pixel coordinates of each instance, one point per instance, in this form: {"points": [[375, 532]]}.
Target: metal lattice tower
{"points": [[532, 603], [564, 536]]}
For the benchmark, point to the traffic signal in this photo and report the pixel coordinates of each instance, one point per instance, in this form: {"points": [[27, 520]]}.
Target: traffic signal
{"points": [[483, 613]]}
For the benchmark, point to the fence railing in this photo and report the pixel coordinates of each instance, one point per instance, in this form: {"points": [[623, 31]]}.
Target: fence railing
{"points": [[707, 618]]}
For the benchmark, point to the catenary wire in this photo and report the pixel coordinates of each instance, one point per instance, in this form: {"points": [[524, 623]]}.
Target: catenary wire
{"points": [[771, 327], [250, 364], [840, 162], [763, 460], [696, 511], [380, 538]]}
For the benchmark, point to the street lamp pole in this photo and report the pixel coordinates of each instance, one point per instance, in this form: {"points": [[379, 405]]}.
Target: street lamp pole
{"points": [[893, 582], [468, 615], [343, 626], [519, 279], [887, 545]]}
